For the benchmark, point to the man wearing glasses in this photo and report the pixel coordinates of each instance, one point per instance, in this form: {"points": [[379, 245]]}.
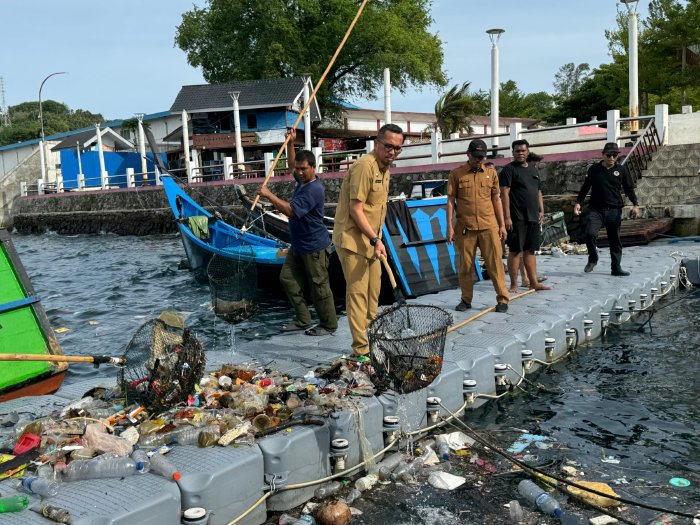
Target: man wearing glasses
{"points": [[606, 179], [357, 231], [473, 191], [306, 263]]}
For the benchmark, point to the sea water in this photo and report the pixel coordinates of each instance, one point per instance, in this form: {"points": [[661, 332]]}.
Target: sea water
{"points": [[625, 411]]}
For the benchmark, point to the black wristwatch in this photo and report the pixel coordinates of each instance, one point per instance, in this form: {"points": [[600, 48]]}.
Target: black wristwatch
{"points": [[373, 241]]}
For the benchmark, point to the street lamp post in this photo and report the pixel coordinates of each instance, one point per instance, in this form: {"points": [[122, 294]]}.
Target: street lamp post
{"points": [[42, 153], [494, 35], [631, 6]]}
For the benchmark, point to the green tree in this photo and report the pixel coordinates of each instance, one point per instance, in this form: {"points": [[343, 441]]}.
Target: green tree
{"points": [[455, 110], [57, 117], [251, 39], [569, 79]]}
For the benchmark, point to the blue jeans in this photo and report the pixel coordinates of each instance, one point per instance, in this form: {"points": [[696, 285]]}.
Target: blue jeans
{"points": [[611, 218]]}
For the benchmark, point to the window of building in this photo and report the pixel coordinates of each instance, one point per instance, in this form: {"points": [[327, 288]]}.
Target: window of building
{"points": [[252, 120]]}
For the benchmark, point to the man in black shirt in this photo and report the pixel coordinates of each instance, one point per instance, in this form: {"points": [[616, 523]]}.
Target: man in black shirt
{"points": [[606, 178], [523, 211]]}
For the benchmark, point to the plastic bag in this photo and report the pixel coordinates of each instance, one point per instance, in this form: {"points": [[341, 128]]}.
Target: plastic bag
{"points": [[445, 481], [96, 437]]}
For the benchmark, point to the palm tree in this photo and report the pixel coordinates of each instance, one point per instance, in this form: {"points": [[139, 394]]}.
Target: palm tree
{"points": [[454, 110]]}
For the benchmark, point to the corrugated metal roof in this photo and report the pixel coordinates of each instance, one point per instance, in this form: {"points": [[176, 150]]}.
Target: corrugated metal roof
{"points": [[262, 93]]}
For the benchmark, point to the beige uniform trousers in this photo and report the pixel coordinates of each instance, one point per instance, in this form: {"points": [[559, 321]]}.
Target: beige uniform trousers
{"points": [[490, 245], [363, 281]]}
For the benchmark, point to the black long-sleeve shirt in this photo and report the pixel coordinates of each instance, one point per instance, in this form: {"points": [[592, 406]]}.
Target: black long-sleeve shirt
{"points": [[606, 186]]}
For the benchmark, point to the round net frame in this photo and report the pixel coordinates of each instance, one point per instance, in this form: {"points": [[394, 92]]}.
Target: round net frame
{"points": [[233, 285], [163, 365], [407, 344]]}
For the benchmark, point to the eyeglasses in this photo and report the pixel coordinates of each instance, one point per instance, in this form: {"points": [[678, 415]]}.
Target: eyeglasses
{"points": [[611, 155], [391, 147]]}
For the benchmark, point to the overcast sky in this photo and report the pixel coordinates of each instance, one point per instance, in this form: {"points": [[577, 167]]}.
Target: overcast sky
{"points": [[120, 56]]}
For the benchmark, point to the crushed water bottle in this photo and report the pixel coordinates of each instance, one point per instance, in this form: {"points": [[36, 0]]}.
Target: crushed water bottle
{"points": [[328, 489], [39, 486], [352, 496], [388, 464], [539, 498], [57, 514], [100, 468]]}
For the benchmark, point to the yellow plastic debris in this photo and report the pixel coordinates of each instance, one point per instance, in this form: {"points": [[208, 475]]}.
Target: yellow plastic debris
{"points": [[62, 330], [594, 498]]}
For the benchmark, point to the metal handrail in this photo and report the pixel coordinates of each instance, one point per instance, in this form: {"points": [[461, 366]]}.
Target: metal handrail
{"points": [[637, 160]]}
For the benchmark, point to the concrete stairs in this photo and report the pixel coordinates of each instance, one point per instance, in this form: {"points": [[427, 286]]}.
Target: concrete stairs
{"points": [[672, 178]]}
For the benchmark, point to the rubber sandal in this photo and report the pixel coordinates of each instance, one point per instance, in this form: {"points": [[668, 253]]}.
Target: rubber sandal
{"points": [[318, 331], [293, 327]]}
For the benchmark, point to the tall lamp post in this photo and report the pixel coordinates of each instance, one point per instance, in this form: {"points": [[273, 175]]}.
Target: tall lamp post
{"points": [[631, 6], [237, 128], [494, 35], [42, 154]]}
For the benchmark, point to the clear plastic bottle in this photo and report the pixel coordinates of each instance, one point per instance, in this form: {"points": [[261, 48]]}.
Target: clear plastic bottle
{"points": [[305, 519], [413, 467], [156, 440], [286, 519], [443, 449], [330, 488], [352, 496], [143, 462], [39, 486], [186, 435], [398, 471], [366, 482], [161, 465], [14, 503], [99, 468], [539, 498], [388, 464]]}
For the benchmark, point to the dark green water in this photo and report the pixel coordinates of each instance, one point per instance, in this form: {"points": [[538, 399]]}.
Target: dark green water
{"points": [[634, 395]]}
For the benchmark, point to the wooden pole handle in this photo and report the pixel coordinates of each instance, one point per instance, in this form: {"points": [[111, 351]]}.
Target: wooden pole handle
{"points": [[64, 358], [311, 98], [389, 272]]}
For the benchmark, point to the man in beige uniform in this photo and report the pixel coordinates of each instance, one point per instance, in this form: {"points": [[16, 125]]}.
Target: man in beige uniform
{"points": [[473, 190], [357, 231]]}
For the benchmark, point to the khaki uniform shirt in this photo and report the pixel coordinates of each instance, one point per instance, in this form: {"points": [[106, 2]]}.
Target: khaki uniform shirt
{"points": [[369, 184], [472, 191]]}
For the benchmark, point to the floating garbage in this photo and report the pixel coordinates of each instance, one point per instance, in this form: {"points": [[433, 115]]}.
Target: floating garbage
{"points": [[445, 480], [334, 513], [595, 499], [679, 482]]}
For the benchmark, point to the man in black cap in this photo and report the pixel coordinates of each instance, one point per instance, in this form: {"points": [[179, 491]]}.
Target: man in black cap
{"points": [[606, 178], [473, 190]]}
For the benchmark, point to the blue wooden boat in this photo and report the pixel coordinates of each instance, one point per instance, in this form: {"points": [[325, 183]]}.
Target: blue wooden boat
{"points": [[204, 236]]}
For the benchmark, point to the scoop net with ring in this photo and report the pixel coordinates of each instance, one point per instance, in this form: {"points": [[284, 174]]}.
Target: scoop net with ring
{"points": [[233, 284], [407, 343], [164, 362]]}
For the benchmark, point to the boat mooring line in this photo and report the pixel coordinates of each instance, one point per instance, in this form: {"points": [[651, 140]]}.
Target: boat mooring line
{"points": [[484, 312]]}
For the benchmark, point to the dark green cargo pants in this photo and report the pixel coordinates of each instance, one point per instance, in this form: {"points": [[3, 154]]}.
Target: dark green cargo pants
{"points": [[309, 271]]}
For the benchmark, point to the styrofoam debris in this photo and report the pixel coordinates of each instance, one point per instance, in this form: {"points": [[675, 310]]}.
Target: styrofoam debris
{"points": [[602, 520], [445, 480]]}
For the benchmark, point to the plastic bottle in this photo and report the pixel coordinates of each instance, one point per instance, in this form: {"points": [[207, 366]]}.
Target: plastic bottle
{"points": [[286, 519], [443, 449], [14, 503], [305, 519], [186, 435], [538, 497], [156, 440], [143, 462], [398, 471], [387, 466], [161, 465], [352, 496], [414, 466], [515, 511], [366, 482], [39, 486], [99, 468], [328, 489]]}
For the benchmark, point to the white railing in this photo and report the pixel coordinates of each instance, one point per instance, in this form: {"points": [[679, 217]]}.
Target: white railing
{"points": [[550, 140]]}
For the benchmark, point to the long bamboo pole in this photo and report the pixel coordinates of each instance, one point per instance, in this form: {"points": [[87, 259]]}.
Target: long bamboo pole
{"points": [[308, 103], [99, 359]]}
